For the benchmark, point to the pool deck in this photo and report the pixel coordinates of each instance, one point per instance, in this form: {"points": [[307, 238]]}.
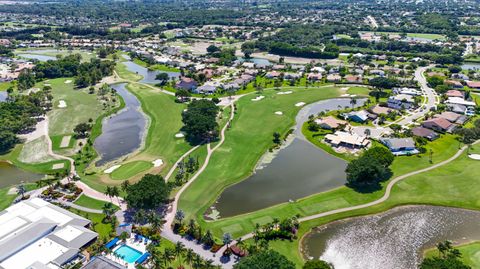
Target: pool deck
{"points": [[137, 245]]}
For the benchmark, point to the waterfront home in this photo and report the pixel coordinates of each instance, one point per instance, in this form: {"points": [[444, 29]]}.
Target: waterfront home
{"points": [[452, 117], [348, 140], [400, 146], [425, 133], [357, 116], [379, 110], [454, 84], [330, 123], [460, 101], [207, 88], [186, 84], [454, 93], [473, 84], [440, 125], [407, 91]]}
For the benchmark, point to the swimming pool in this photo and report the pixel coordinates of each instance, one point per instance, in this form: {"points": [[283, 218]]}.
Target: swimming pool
{"points": [[128, 254]]}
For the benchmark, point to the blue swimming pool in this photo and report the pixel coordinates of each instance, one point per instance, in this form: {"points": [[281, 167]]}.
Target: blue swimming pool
{"points": [[128, 254]]}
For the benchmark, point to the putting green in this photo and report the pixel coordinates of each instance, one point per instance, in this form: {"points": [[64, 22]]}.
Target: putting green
{"points": [[130, 169]]}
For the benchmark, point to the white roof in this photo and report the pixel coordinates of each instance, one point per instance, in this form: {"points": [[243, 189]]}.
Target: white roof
{"points": [[51, 214], [460, 101], [43, 250], [68, 233]]}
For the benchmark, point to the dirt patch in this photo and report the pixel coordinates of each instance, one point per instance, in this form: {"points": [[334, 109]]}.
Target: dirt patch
{"points": [[58, 166], [36, 151], [65, 141]]}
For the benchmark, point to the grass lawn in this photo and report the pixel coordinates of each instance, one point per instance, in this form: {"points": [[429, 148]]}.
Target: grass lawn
{"points": [[362, 91], [7, 199], [130, 169], [57, 142], [81, 106], [88, 202], [123, 72], [5, 85], [234, 161], [105, 230], [470, 254]]}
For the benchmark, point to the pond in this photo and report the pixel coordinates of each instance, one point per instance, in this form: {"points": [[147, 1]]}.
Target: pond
{"points": [[149, 76], [40, 57], [123, 132], [391, 240], [258, 61], [3, 96], [471, 66], [298, 170], [11, 175]]}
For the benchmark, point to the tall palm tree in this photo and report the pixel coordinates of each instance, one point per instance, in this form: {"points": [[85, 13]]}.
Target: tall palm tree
{"points": [[180, 216], [227, 239], [168, 256], [189, 256], [198, 262], [108, 192], [155, 221], [125, 185], [108, 210], [115, 192], [179, 251]]}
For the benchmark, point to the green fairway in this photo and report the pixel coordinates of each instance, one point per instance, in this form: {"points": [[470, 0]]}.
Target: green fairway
{"points": [[253, 125], [362, 91], [123, 72], [470, 254], [88, 202], [80, 106], [130, 169]]}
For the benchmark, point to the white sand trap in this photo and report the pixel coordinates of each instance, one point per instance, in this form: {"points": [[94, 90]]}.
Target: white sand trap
{"points": [[300, 104], [62, 104], [474, 156], [68, 81], [179, 135], [47, 84], [157, 163], [111, 169], [344, 89], [279, 113], [58, 166], [282, 93], [65, 141], [258, 98], [345, 95]]}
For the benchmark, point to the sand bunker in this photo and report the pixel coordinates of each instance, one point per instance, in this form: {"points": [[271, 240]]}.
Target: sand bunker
{"points": [[474, 156], [111, 169], [157, 163], [279, 113], [258, 98], [68, 81], [282, 93], [62, 104], [300, 104], [179, 135], [344, 89]]}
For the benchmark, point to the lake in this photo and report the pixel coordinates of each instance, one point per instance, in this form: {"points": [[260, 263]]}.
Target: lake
{"points": [[3, 96], [471, 66], [40, 57], [11, 175], [298, 170], [149, 76], [122, 133], [390, 240]]}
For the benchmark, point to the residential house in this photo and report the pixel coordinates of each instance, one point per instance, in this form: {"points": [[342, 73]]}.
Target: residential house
{"points": [[439, 125], [473, 84], [334, 78], [400, 146], [377, 72], [330, 123], [273, 74], [401, 101], [425, 133], [206, 89], [454, 84], [379, 110], [314, 76], [357, 116], [345, 139], [452, 117], [454, 93], [186, 84], [353, 79]]}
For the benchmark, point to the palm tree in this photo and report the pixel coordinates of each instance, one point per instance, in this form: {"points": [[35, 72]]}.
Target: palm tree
{"points": [[197, 263], [115, 192], [21, 190], [167, 256], [189, 256], [108, 192], [353, 102], [240, 243], [108, 210], [227, 239], [179, 250], [125, 185], [180, 216], [139, 216], [155, 221]]}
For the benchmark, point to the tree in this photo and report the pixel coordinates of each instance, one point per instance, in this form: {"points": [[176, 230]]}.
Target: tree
{"points": [[276, 138], [7, 140], [149, 193], [212, 48], [383, 82], [182, 95], [125, 185], [108, 209], [179, 216], [227, 239], [265, 260], [163, 77], [448, 258], [434, 81], [370, 168], [82, 130], [381, 155], [200, 121], [316, 264]]}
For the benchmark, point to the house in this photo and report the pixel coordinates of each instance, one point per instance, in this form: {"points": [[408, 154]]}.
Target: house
{"points": [[330, 123], [273, 74], [318, 69], [230, 86], [452, 117], [186, 84], [439, 125], [345, 139], [473, 84], [460, 76], [334, 78], [377, 72], [400, 146], [379, 110], [407, 91], [353, 79], [454, 93], [425, 133], [401, 101], [101, 262], [357, 116], [37, 234], [314, 76], [454, 84], [292, 76], [206, 89], [460, 101]]}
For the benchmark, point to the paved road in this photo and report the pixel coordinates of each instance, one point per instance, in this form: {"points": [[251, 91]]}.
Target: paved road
{"points": [[430, 102]]}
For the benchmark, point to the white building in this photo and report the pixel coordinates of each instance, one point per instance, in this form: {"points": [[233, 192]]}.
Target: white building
{"points": [[37, 234]]}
